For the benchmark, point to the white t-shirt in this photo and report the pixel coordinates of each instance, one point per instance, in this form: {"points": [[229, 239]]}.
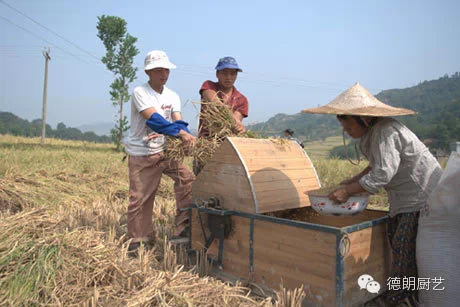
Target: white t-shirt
{"points": [[165, 104]]}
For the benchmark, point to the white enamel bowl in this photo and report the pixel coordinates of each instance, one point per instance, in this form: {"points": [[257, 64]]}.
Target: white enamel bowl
{"points": [[324, 206]]}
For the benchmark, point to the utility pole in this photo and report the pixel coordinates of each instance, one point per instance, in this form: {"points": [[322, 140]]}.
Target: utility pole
{"points": [[46, 54]]}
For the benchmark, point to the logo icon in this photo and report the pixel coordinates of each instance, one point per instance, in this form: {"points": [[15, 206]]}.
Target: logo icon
{"points": [[367, 282], [373, 287]]}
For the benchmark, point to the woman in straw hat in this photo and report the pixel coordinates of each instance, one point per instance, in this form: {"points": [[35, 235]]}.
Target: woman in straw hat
{"points": [[398, 162]]}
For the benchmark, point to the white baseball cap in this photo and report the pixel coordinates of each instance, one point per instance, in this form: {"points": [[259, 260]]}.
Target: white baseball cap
{"points": [[157, 59]]}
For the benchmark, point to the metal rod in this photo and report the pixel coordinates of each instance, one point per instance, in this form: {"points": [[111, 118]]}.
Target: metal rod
{"points": [[251, 249], [339, 271]]}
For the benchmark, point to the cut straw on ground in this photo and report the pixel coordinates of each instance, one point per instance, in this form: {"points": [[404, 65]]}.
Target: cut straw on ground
{"points": [[63, 220]]}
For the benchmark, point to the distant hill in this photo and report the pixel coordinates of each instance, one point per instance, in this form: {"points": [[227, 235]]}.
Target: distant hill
{"points": [[97, 128], [307, 127], [437, 103], [14, 125]]}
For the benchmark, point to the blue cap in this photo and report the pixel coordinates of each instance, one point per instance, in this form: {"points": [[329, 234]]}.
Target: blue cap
{"points": [[228, 62]]}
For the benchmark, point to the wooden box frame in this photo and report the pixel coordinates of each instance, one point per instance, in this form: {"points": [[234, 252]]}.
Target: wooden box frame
{"points": [[326, 254]]}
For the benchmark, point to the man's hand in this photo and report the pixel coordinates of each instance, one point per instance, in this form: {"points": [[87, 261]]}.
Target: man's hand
{"points": [[238, 117], [153, 135], [188, 140], [339, 195], [239, 127]]}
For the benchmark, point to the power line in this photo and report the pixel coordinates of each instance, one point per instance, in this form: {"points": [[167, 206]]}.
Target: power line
{"points": [[203, 71], [205, 67], [290, 80], [39, 37], [30, 50], [278, 82], [48, 29], [54, 45]]}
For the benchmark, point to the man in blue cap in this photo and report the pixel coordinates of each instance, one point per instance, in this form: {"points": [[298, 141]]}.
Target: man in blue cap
{"points": [[223, 90]]}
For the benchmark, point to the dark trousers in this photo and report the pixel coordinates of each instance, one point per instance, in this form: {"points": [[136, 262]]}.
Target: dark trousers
{"points": [[402, 233]]}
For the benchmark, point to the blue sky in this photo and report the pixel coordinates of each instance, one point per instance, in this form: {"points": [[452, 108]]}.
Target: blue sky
{"points": [[295, 54]]}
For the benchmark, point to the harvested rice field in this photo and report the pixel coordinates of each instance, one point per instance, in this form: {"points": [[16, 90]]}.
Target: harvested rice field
{"points": [[63, 217]]}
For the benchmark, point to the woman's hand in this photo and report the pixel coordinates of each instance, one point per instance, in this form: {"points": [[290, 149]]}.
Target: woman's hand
{"points": [[339, 195]]}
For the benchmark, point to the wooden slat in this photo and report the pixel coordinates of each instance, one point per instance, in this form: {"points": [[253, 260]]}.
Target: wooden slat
{"points": [[229, 180], [364, 237], [224, 158], [284, 269], [304, 260], [270, 154], [274, 175], [310, 251], [368, 254], [337, 221], [261, 147], [319, 291], [223, 183], [242, 142], [294, 236], [219, 190], [370, 266], [285, 185], [366, 246], [254, 164], [225, 168], [225, 153], [346, 220]]}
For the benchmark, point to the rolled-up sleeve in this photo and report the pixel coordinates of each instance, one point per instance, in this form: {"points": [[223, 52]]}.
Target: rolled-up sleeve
{"points": [[384, 160]]}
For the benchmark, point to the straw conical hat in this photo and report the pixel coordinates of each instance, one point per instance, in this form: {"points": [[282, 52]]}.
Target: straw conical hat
{"points": [[358, 101]]}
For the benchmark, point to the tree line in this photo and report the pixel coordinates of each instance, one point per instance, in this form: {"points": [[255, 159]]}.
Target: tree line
{"points": [[12, 124]]}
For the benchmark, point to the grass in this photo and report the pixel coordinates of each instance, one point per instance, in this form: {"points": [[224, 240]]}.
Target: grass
{"points": [[63, 219], [320, 149]]}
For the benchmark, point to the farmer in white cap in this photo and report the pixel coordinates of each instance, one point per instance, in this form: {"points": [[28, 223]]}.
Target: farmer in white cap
{"points": [[223, 90], [398, 162], [155, 112]]}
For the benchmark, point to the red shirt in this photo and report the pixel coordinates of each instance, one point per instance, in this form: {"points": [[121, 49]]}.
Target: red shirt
{"points": [[237, 102]]}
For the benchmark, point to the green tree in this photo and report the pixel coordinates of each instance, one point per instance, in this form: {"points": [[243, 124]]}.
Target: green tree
{"points": [[119, 59]]}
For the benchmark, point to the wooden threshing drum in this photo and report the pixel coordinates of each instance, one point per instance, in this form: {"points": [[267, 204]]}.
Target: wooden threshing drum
{"points": [[257, 176]]}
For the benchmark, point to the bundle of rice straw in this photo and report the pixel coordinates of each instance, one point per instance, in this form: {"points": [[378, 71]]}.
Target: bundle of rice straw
{"points": [[219, 119], [202, 151], [219, 124]]}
